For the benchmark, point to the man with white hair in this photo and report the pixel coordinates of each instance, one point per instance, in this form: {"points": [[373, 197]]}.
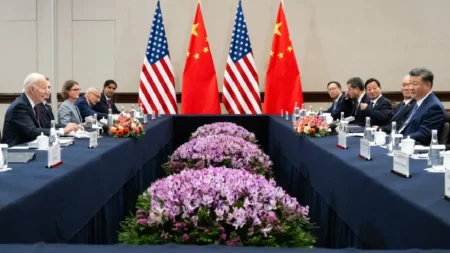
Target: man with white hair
{"points": [[22, 119], [86, 103]]}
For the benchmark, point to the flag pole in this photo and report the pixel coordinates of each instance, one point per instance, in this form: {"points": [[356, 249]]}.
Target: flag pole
{"points": [[54, 88]]}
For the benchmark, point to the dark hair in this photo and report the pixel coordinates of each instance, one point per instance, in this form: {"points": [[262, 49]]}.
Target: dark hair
{"points": [[335, 82], [108, 82], [356, 83], [66, 88], [425, 74], [46, 78], [372, 80]]}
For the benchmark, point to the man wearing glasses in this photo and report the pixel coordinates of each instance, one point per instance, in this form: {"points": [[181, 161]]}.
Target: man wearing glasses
{"points": [[86, 102]]}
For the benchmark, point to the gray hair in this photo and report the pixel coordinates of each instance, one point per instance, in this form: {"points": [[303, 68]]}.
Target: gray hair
{"points": [[91, 89], [425, 74], [31, 80]]}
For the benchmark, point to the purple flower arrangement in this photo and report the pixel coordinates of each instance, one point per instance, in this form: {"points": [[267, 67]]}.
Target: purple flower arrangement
{"points": [[226, 128], [219, 150], [218, 205]]}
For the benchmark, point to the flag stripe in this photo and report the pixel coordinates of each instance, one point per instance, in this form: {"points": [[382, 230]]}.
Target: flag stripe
{"points": [[236, 88], [241, 85]]}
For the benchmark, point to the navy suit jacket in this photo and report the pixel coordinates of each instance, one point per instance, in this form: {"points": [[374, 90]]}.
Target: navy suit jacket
{"points": [[102, 106], [330, 110], [86, 110], [399, 117], [21, 125], [381, 113], [345, 105], [430, 115]]}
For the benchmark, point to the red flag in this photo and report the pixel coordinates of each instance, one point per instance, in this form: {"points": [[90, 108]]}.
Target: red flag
{"points": [[283, 85], [200, 94]]}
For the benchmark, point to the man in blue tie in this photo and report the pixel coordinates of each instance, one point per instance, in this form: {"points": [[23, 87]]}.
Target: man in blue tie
{"points": [[379, 109], [428, 113], [335, 91]]}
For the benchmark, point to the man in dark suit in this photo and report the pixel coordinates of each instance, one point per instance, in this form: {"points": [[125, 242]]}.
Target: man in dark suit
{"points": [[335, 91], [428, 113], [379, 109], [22, 118], [106, 103], [45, 110], [402, 110], [358, 97], [86, 102]]}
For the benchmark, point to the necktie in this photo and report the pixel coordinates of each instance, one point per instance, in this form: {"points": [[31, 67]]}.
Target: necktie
{"points": [[371, 104], [334, 105], [409, 118], [36, 112], [109, 103]]}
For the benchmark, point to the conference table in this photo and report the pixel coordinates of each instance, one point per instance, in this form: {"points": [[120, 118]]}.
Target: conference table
{"points": [[353, 202]]}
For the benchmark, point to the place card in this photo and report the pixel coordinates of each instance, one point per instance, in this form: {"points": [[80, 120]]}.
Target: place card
{"points": [[401, 164], [93, 139], [447, 175], [342, 140], [54, 156], [364, 149]]}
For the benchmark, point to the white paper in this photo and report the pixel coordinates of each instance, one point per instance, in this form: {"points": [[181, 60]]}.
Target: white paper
{"points": [[364, 148], [355, 135], [342, 140], [401, 163], [5, 170]]}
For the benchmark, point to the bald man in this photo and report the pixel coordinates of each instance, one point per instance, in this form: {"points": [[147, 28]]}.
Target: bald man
{"points": [[85, 104], [22, 119]]}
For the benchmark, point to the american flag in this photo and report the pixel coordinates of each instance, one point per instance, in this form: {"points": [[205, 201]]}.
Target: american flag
{"points": [[240, 88], [157, 85]]}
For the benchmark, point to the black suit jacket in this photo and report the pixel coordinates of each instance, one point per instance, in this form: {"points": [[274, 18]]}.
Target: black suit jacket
{"points": [[399, 117], [360, 116], [381, 113], [102, 106], [46, 116], [20, 125]]}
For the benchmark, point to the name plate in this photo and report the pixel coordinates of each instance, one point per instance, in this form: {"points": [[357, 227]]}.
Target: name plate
{"points": [[401, 164], [54, 156], [93, 139], [364, 149], [342, 140], [145, 118], [447, 175]]}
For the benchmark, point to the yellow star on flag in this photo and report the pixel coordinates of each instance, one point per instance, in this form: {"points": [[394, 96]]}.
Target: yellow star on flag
{"points": [[194, 29], [271, 53], [187, 55], [196, 56], [277, 29], [280, 55], [205, 50], [289, 49]]}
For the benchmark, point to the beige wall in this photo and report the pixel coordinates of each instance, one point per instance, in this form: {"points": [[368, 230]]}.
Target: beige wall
{"points": [[333, 40]]}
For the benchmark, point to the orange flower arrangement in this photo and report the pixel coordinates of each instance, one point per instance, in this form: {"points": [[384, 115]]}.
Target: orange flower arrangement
{"points": [[312, 126], [125, 127]]}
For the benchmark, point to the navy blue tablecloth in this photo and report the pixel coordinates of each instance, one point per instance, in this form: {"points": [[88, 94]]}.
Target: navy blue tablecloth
{"points": [[171, 248], [374, 208], [84, 199]]}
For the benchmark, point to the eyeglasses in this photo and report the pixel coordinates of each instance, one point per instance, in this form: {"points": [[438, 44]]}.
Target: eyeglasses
{"points": [[75, 89], [98, 96]]}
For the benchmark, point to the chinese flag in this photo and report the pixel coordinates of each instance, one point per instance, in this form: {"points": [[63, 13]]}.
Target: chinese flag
{"points": [[199, 94], [283, 85]]}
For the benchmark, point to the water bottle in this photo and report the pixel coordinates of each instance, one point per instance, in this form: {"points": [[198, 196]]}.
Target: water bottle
{"points": [[282, 114], [434, 156], [110, 118], [340, 122], [141, 110], [153, 115], [310, 109], [287, 115], [53, 137], [391, 137], [320, 111], [122, 111], [368, 131], [132, 111], [303, 111], [296, 113]]}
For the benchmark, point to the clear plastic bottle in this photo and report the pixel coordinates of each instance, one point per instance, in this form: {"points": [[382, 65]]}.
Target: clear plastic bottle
{"points": [[434, 156], [368, 131]]}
